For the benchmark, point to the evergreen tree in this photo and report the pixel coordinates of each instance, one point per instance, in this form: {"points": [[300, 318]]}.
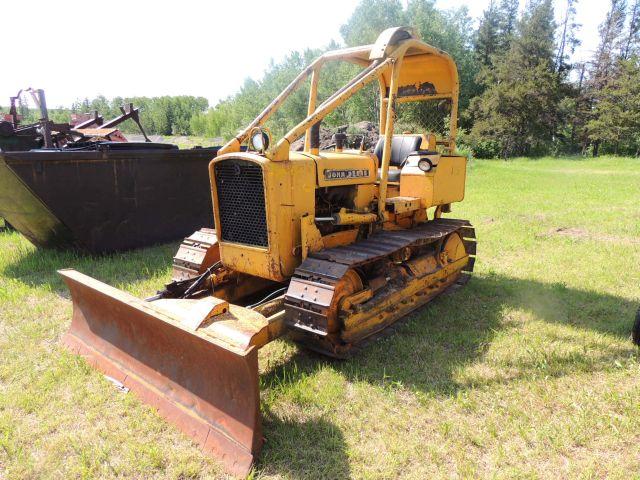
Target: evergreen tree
{"points": [[604, 68], [487, 38], [568, 41], [508, 19], [632, 42], [615, 123], [518, 112], [610, 42], [536, 32]]}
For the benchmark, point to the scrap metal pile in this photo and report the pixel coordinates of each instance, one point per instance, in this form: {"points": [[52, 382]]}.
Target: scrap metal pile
{"points": [[14, 136], [84, 186]]}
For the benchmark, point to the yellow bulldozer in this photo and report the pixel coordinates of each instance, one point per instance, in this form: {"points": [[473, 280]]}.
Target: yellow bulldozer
{"points": [[326, 246]]}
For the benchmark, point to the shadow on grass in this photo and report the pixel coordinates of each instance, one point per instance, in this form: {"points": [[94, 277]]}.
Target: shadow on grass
{"points": [[308, 449], [39, 267], [434, 343], [425, 354]]}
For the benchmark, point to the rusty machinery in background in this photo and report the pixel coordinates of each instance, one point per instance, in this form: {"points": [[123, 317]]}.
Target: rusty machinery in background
{"points": [[90, 189], [329, 247], [48, 134]]}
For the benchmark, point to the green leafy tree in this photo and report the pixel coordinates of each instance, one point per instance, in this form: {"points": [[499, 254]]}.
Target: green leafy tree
{"points": [[370, 18]]}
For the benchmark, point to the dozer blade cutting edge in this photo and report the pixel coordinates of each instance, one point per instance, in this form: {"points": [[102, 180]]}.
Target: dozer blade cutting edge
{"points": [[203, 381]]}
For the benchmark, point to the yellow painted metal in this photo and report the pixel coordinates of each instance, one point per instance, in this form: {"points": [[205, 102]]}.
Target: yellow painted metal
{"points": [[452, 250], [364, 197], [385, 41], [311, 239], [342, 237], [194, 312], [403, 204], [290, 194], [313, 97], [423, 265], [384, 102], [418, 68], [431, 142], [444, 184], [356, 299], [349, 167], [351, 218], [422, 98], [388, 135], [401, 301]]}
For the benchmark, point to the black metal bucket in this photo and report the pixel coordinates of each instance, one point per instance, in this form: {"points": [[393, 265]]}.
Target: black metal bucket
{"points": [[113, 197]]}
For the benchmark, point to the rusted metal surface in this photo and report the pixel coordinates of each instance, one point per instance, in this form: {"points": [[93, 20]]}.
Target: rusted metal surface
{"points": [[127, 113], [196, 253], [207, 387], [44, 133], [425, 88], [117, 197], [47, 134], [386, 242]]}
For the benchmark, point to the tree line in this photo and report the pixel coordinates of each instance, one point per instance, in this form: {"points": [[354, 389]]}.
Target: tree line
{"points": [[167, 115], [521, 94]]}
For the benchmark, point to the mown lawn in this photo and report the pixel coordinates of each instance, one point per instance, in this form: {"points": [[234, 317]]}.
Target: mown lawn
{"points": [[528, 372]]}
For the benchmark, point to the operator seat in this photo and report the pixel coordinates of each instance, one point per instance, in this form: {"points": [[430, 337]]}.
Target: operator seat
{"points": [[401, 147]]}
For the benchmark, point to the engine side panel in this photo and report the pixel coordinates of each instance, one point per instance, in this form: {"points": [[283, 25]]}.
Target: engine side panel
{"points": [[346, 168], [289, 190]]}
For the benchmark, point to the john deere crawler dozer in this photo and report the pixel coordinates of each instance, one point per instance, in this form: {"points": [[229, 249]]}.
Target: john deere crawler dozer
{"points": [[329, 247]]}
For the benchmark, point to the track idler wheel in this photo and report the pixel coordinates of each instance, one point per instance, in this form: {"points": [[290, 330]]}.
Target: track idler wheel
{"points": [[348, 285], [452, 249]]}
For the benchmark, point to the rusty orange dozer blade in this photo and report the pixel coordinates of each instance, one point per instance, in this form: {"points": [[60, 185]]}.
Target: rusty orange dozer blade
{"points": [[205, 385]]}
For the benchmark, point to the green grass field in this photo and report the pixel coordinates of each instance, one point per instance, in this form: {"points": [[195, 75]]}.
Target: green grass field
{"points": [[528, 372]]}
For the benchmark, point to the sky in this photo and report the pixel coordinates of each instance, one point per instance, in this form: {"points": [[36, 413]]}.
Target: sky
{"points": [[203, 47]]}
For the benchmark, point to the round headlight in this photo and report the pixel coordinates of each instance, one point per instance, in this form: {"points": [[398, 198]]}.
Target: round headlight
{"points": [[260, 141], [425, 165]]}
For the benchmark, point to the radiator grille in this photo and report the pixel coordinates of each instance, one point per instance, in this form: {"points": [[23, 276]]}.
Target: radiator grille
{"points": [[243, 217]]}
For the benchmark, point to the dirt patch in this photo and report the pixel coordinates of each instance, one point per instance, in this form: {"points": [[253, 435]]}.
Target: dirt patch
{"points": [[535, 218], [581, 234], [355, 135]]}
